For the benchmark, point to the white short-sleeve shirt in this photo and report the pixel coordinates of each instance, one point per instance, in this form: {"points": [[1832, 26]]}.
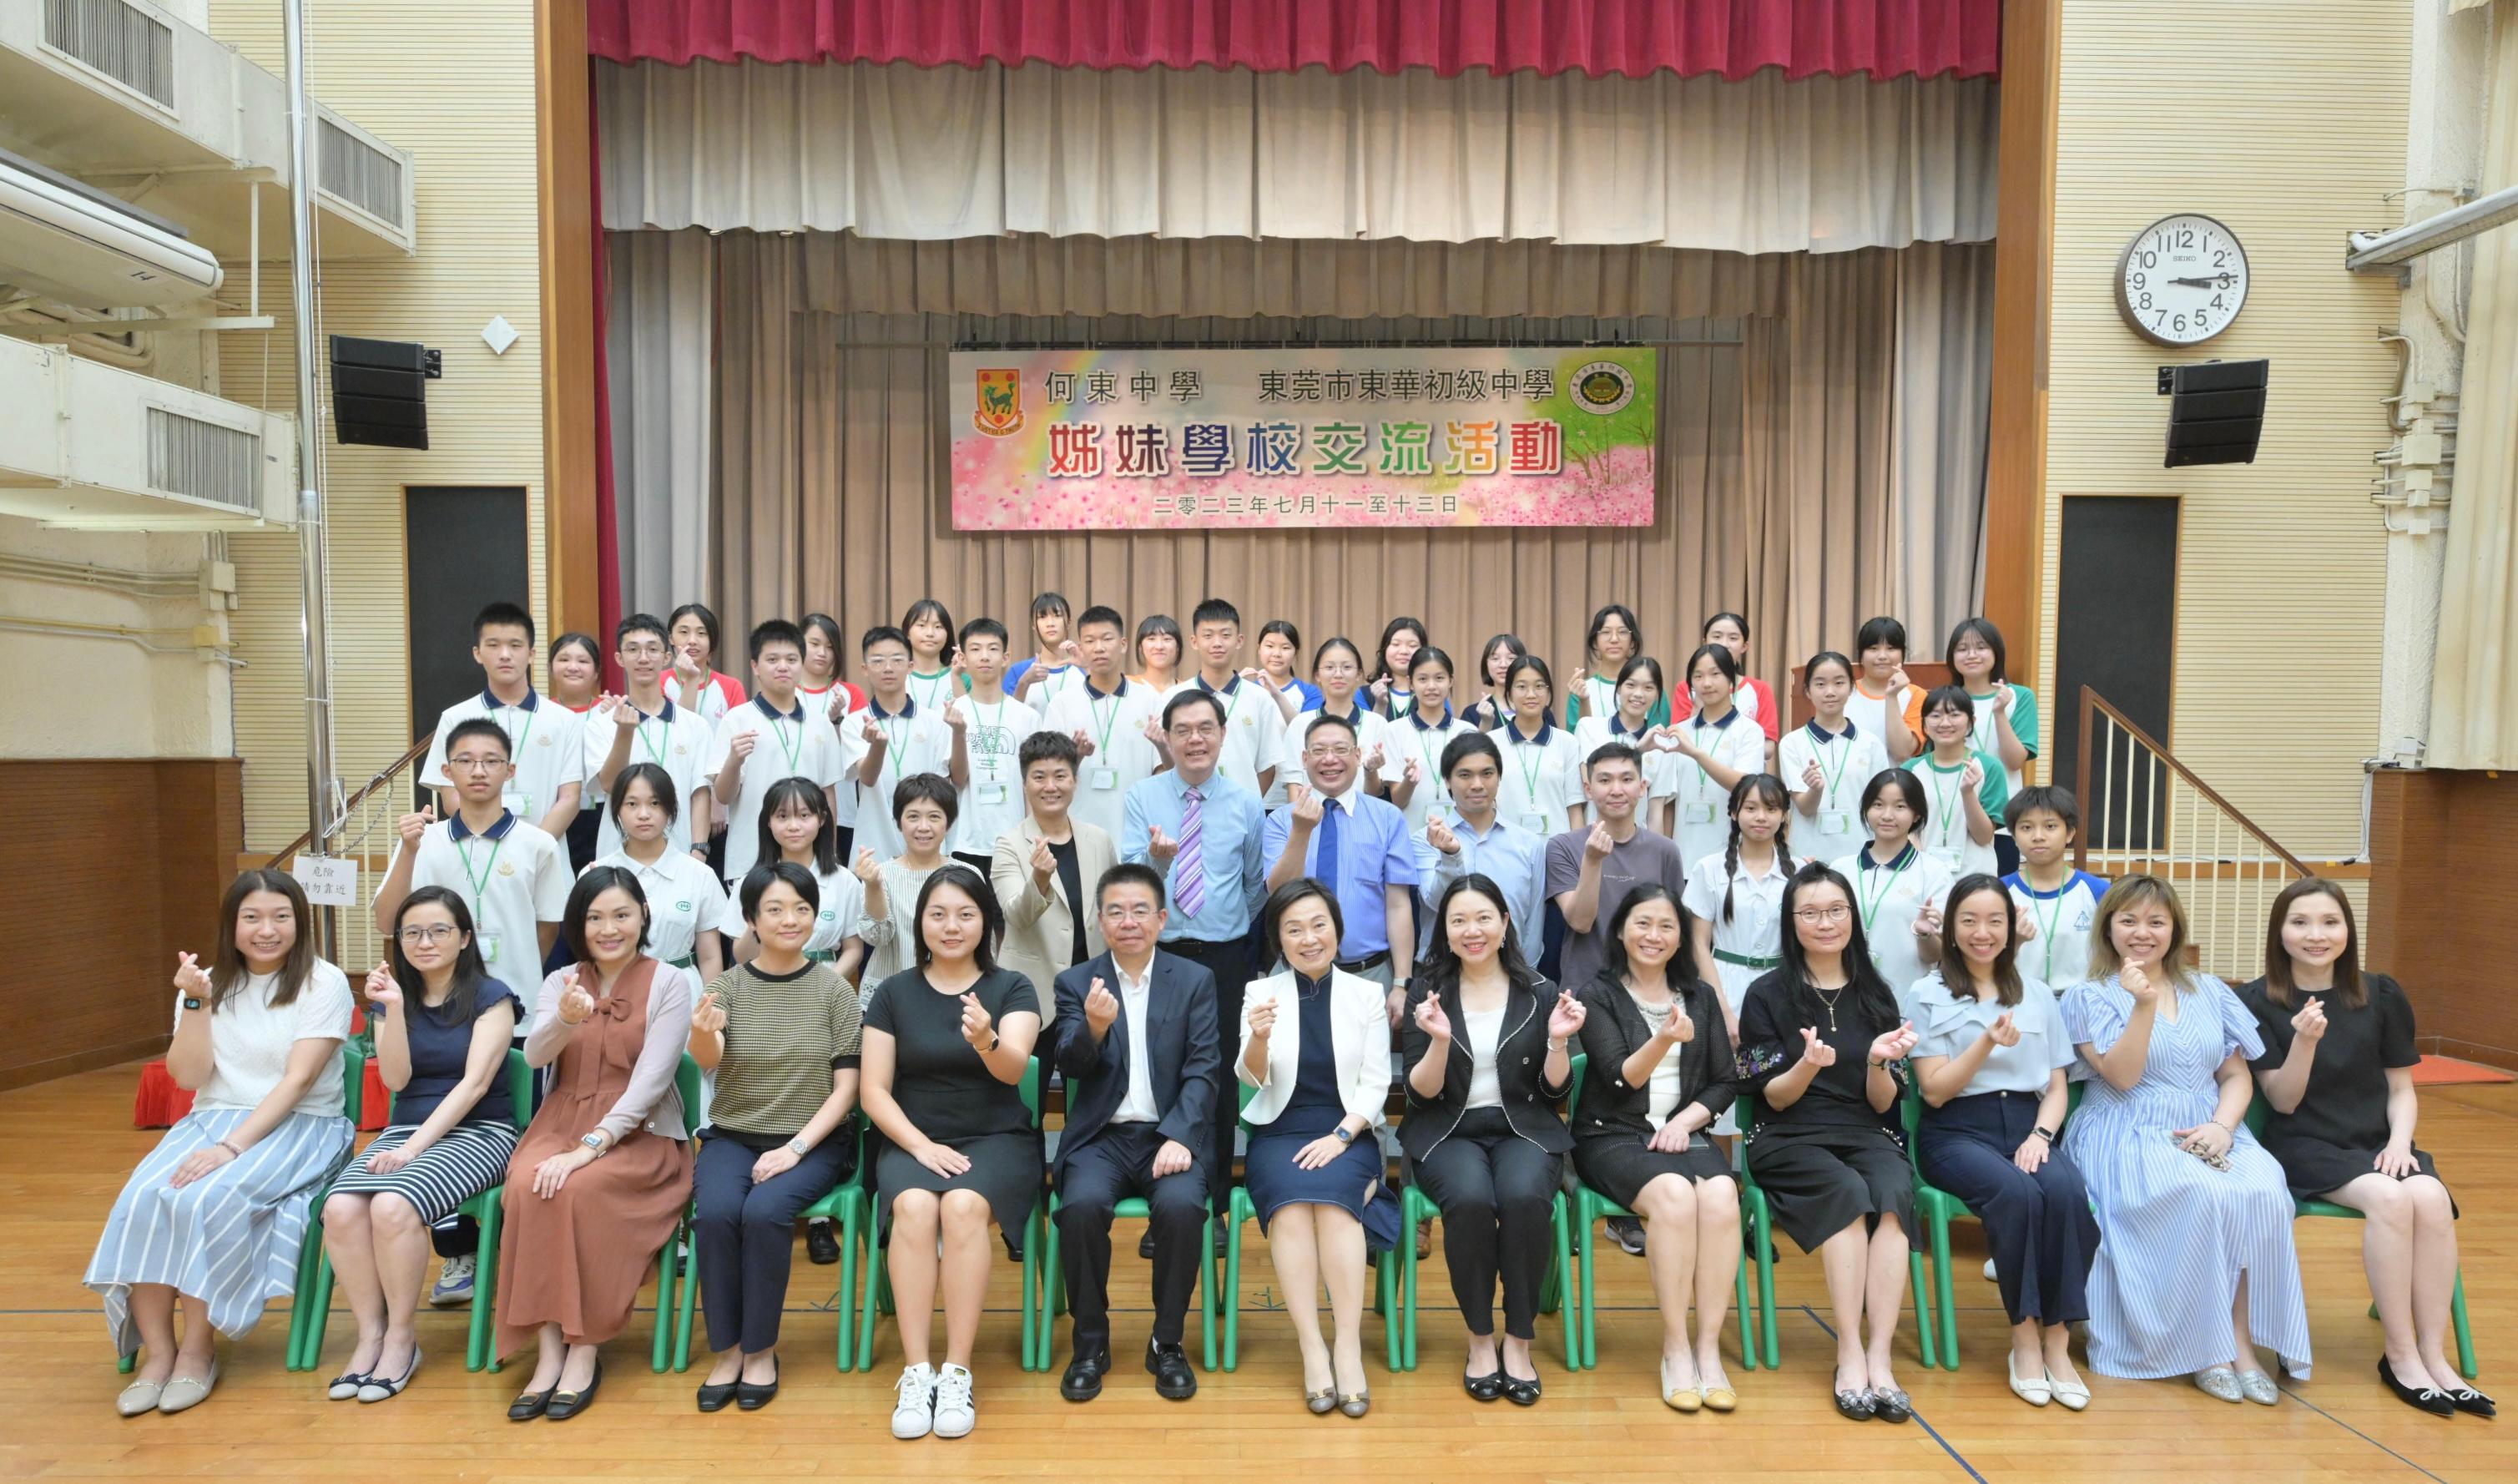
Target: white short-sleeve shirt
{"points": [[1409, 740], [2068, 919], [1847, 762], [917, 741], [514, 876], [1700, 820], [682, 895], [250, 1041], [545, 741], [675, 739], [786, 745], [1948, 1023], [992, 740], [1115, 722], [1886, 900], [843, 902], [1543, 778]]}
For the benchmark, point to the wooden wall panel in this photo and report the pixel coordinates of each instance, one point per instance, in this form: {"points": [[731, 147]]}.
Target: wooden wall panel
{"points": [[2442, 894], [134, 854]]}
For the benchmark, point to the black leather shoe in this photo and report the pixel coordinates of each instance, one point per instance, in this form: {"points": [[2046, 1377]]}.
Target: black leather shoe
{"points": [[2470, 1400], [751, 1398], [1485, 1388], [1082, 1381], [568, 1404], [713, 1398], [1145, 1245], [1222, 1233], [2428, 1398], [821, 1242], [1521, 1393], [1174, 1380], [528, 1405]]}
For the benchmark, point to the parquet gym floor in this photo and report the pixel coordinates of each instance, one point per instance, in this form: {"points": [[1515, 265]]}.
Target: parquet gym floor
{"points": [[68, 1146]]}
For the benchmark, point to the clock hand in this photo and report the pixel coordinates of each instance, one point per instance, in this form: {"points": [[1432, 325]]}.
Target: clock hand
{"points": [[2195, 282]]}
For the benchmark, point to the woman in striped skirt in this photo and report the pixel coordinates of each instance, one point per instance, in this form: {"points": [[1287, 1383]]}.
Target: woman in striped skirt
{"points": [[2196, 1265], [215, 1216], [442, 1027]]}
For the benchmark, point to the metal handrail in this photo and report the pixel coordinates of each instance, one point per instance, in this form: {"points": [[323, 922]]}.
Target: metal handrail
{"points": [[349, 805], [2092, 703]]}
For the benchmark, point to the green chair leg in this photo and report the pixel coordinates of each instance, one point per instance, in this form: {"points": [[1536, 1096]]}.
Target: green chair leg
{"points": [[487, 1209], [685, 1293], [2465, 1363], [668, 1273], [127, 1363], [1386, 1299], [1413, 1207], [1238, 1210], [1762, 1220], [851, 1232], [1560, 1278], [875, 1285], [1924, 1328]]}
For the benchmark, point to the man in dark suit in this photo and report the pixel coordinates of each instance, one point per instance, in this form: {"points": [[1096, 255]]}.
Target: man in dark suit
{"points": [[1137, 1041]]}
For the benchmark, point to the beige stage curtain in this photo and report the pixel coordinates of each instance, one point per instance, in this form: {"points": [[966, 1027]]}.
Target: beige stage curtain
{"points": [[1775, 470], [662, 320]]}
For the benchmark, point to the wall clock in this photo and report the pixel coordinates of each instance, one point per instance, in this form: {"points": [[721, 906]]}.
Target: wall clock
{"points": [[2182, 280]]}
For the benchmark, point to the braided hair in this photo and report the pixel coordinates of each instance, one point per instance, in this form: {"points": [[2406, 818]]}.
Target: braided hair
{"points": [[1771, 789]]}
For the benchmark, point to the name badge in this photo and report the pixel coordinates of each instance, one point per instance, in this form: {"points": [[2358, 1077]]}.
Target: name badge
{"points": [[992, 793], [1835, 822], [1955, 859], [1695, 814], [1535, 822], [487, 941], [1103, 778], [518, 803]]}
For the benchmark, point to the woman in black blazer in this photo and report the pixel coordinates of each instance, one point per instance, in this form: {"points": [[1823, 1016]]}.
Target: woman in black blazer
{"points": [[1486, 1047], [1658, 1073]]}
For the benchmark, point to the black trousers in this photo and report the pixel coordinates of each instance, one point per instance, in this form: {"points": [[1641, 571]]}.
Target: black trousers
{"points": [[1230, 963], [1496, 1190], [745, 1233], [1117, 1163]]}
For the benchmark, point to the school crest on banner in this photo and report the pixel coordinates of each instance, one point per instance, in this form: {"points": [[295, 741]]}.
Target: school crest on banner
{"points": [[998, 400]]}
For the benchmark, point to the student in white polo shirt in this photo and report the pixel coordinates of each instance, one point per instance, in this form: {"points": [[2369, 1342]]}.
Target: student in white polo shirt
{"points": [[1543, 772], [550, 752], [1059, 667], [1107, 716], [1253, 727], [1412, 747], [772, 736], [988, 733], [1827, 764], [896, 738], [646, 726], [512, 875], [684, 898]]}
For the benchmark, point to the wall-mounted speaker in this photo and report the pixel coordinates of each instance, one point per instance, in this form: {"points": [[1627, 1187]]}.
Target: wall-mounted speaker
{"points": [[379, 391], [2216, 410]]}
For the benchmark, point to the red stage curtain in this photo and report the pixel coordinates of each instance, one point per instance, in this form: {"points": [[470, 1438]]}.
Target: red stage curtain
{"points": [[607, 513], [1633, 38]]}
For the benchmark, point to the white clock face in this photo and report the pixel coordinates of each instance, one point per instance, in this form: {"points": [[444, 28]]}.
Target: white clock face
{"points": [[2182, 280]]}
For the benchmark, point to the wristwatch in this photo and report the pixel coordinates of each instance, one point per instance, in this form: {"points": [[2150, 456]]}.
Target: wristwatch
{"points": [[1344, 1137], [799, 1148], [2044, 1134], [192, 1002], [597, 1144], [1876, 1064]]}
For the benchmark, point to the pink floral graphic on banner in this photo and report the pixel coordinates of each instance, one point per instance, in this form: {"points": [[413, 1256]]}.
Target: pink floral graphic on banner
{"points": [[1113, 440]]}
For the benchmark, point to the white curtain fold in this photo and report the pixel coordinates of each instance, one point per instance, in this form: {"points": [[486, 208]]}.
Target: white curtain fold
{"points": [[659, 345], [1939, 416], [1821, 164]]}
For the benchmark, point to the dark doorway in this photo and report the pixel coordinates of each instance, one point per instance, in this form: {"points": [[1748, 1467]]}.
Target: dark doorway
{"points": [[465, 550], [2115, 632]]}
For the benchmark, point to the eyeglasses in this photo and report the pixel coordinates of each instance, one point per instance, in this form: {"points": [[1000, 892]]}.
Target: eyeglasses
{"points": [[473, 764], [1195, 730], [1814, 916], [1136, 912], [428, 933]]}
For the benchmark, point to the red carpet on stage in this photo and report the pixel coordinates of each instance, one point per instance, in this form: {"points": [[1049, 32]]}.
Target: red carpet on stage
{"points": [[2448, 1071]]}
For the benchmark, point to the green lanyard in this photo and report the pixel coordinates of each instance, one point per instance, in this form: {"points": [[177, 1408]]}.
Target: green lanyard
{"points": [[1828, 780], [1101, 749], [1946, 809], [1696, 734], [2046, 925], [891, 745], [522, 733], [793, 750], [931, 698], [654, 750], [994, 724], [1529, 769], [1872, 901], [1432, 754], [480, 883]]}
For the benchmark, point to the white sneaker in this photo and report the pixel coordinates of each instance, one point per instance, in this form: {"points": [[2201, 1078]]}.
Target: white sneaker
{"points": [[1989, 1275], [955, 1415], [914, 1415], [453, 1282]]}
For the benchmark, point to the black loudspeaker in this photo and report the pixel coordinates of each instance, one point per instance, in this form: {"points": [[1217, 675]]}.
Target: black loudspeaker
{"points": [[2216, 410], [379, 391]]}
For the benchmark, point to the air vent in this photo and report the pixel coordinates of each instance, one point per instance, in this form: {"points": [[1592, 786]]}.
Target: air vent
{"points": [[128, 45], [356, 172], [205, 460]]}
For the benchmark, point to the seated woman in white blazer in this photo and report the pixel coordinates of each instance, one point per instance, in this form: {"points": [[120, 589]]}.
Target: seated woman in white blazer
{"points": [[1315, 1044], [1043, 872]]}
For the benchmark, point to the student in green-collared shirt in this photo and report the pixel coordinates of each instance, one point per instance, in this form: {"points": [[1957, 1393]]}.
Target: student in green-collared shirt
{"points": [[1966, 785], [685, 900]]}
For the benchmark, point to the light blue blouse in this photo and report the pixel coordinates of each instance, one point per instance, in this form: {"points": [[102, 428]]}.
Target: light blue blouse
{"points": [[1947, 1024]]}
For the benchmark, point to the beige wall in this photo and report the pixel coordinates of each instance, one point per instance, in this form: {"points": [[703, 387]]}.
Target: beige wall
{"points": [[452, 83], [150, 686], [2285, 122]]}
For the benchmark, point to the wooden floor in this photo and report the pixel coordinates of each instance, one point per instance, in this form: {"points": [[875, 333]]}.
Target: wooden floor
{"points": [[69, 1147]]}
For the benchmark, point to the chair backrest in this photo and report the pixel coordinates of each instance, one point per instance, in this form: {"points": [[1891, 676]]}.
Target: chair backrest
{"points": [[686, 1085], [1581, 1068], [2257, 1112], [1032, 1090], [354, 1082], [1244, 1092], [1910, 1114], [520, 1088]]}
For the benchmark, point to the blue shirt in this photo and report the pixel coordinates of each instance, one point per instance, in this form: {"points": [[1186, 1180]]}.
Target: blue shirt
{"points": [[1235, 877], [1374, 853], [1513, 858]]}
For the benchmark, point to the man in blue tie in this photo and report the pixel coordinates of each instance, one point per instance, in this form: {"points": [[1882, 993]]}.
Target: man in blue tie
{"points": [[1356, 845], [1201, 830]]}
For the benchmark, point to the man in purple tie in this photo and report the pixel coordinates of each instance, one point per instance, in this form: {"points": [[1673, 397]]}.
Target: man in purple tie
{"points": [[1203, 831]]}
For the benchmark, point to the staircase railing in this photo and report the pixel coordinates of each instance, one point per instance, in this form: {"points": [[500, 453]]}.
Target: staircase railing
{"points": [[364, 835], [2144, 811]]}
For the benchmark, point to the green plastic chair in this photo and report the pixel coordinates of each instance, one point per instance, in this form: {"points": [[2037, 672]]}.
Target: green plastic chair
{"points": [[1416, 1206], [845, 1208], [303, 1312], [1238, 1211], [1591, 1208], [1937, 1208], [1053, 1286], [877, 1285], [2257, 1112], [482, 1208], [1761, 1217]]}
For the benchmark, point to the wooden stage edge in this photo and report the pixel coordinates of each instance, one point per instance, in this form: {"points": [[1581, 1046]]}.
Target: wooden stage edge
{"points": [[58, 1382]]}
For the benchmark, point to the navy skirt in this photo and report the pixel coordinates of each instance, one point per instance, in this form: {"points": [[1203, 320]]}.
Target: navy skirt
{"points": [[1351, 1182]]}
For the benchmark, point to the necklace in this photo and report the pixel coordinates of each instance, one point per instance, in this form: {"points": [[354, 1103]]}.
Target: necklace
{"points": [[1829, 1000]]}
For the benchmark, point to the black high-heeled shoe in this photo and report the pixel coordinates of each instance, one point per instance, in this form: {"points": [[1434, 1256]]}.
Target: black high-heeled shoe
{"points": [[2428, 1398], [1485, 1388], [751, 1398]]}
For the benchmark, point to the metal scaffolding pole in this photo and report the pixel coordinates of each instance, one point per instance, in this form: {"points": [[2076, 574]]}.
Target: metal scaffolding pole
{"points": [[313, 545]]}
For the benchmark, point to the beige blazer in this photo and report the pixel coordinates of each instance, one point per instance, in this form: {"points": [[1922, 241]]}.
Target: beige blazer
{"points": [[1040, 930]]}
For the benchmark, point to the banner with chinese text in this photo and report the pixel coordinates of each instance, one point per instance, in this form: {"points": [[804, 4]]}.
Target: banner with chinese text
{"points": [[1134, 440]]}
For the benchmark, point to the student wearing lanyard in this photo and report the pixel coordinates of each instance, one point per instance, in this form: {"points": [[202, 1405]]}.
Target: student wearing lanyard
{"points": [[577, 683], [1716, 747], [1756, 698], [1967, 787], [1358, 847], [1414, 776], [770, 737], [512, 875], [1898, 888], [1826, 762], [1493, 707], [901, 738], [697, 682], [1469, 836], [1338, 667], [1542, 773], [2059, 906], [986, 741], [550, 760], [927, 628], [1639, 693], [1107, 716], [1735, 900], [797, 828], [1251, 720], [1037, 682], [1401, 638], [685, 900], [2006, 714], [645, 726]]}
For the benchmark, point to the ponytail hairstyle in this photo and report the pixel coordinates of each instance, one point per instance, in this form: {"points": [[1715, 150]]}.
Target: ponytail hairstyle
{"points": [[1768, 787]]}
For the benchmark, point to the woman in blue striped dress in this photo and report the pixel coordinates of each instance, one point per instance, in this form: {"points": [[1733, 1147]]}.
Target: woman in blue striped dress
{"points": [[2196, 1265], [214, 1217]]}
